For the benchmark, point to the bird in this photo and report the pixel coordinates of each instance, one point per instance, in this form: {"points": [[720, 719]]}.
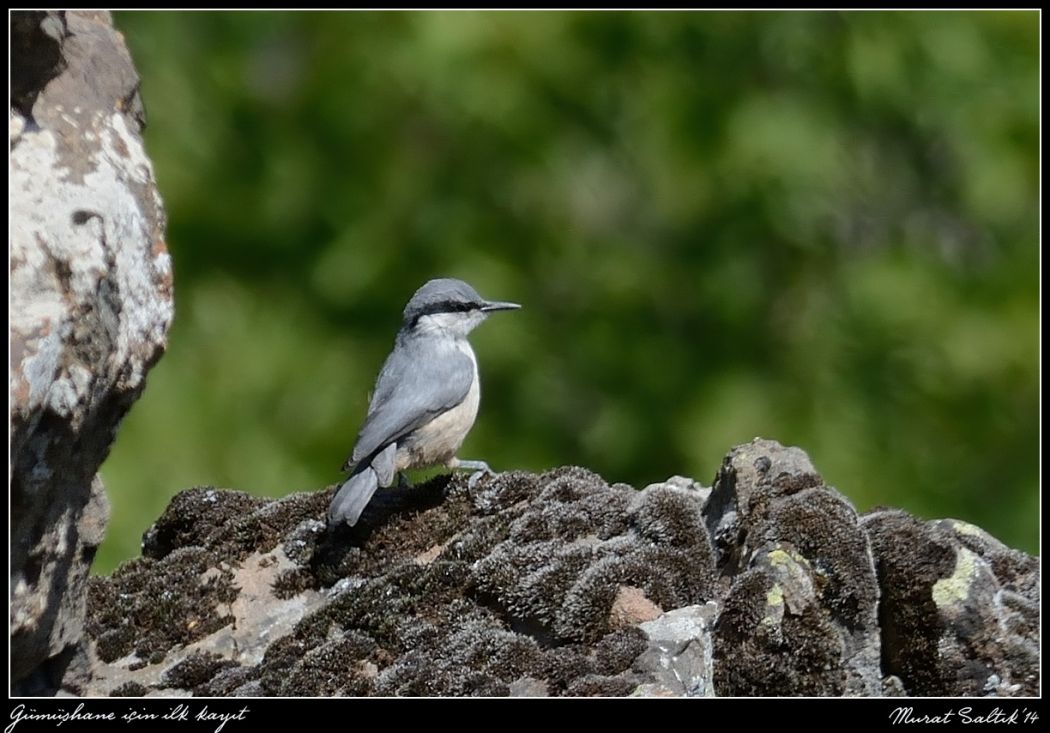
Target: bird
{"points": [[425, 398]]}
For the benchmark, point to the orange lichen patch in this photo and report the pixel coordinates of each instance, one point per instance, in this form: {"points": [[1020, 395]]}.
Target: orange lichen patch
{"points": [[631, 606], [429, 555]]}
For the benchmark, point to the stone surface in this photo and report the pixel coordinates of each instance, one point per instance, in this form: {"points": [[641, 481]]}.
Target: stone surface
{"points": [[680, 657], [560, 585], [91, 303], [960, 611]]}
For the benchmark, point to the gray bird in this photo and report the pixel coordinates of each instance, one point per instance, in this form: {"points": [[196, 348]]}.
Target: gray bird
{"points": [[425, 399]]}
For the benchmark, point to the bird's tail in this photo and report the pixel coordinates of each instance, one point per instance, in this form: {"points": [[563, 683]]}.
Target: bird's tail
{"points": [[353, 496]]}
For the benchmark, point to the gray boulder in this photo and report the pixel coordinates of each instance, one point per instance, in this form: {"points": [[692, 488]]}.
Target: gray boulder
{"points": [[91, 303]]}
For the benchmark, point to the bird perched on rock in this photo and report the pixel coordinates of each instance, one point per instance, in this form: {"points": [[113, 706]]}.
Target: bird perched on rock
{"points": [[425, 399]]}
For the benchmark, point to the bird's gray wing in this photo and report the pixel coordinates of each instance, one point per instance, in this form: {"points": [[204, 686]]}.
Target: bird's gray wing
{"points": [[418, 382]]}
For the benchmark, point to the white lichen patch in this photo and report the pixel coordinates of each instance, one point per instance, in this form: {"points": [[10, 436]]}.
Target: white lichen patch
{"points": [[63, 397], [966, 528], [39, 367], [775, 607], [775, 597], [956, 588], [15, 125], [789, 561], [794, 576]]}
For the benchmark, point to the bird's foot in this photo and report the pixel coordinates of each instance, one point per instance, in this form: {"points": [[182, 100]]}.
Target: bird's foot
{"points": [[480, 469], [477, 475]]}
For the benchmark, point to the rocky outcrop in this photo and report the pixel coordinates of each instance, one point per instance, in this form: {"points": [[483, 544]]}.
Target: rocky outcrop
{"points": [[561, 584], [801, 614], [91, 302], [960, 610]]}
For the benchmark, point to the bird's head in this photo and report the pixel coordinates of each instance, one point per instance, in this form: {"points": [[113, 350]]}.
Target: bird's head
{"points": [[449, 305]]}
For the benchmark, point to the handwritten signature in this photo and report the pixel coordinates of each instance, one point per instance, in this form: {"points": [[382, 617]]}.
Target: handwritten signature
{"points": [[908, 716]]}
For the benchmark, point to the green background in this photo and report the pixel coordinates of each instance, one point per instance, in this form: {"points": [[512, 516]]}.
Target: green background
{"points": [[820, 228]]}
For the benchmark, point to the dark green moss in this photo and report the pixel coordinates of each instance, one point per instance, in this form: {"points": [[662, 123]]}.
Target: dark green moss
{"points": [[595, 685], [758, 654], [129, 689], [194, 517], [149, 606], [195, 670]]}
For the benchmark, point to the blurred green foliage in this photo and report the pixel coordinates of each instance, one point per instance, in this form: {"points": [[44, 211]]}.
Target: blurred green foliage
{"points": [[815, 227]]}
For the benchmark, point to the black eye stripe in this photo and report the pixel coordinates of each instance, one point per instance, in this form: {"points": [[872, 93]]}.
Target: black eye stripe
{"points": [[447, 306]]}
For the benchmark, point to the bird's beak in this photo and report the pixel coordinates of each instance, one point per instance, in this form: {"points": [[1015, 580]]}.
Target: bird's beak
{"points": [[499, 306]]}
